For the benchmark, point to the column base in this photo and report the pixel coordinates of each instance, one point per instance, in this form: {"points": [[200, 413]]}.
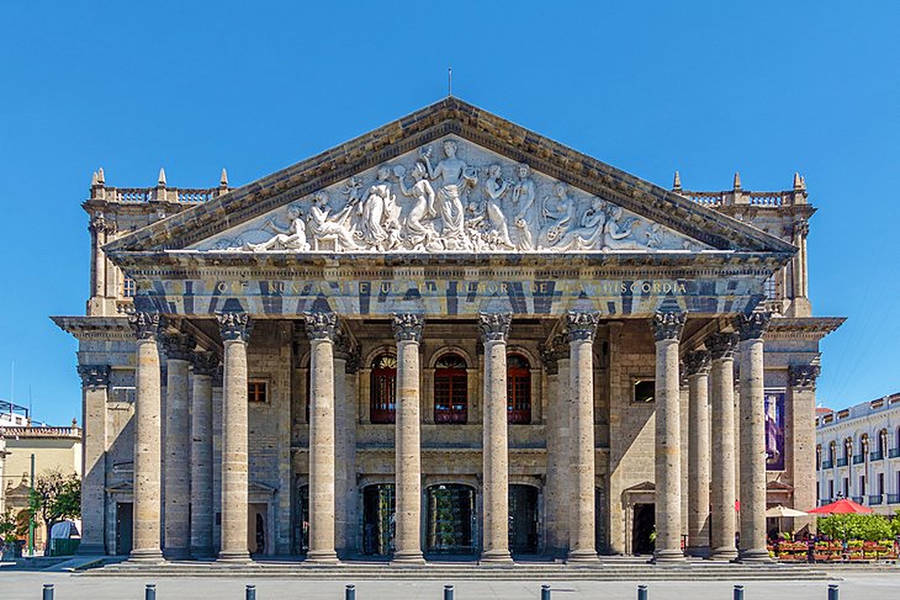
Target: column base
{"points": [[228, 556], [90, 549], [582, 557], [146, 555], [321, 557], [754, 555], [726, 554], [408, 557], [668, 556], [496, 557]]}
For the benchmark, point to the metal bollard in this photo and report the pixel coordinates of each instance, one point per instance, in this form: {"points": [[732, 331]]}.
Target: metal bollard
{"points": [[643, 594], [448, 592], [834, 592], [738, 592], [350, 592], [250, 592], [47, 594], [150, 591], [545, 592]]}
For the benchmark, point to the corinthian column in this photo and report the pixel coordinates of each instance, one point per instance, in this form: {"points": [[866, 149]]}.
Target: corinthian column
{"points": [[495, 446], [235, 329], [697, 371], [147, 408], [667, 327], [94, 385], [176, 479], [408, 467], [722, 491], [320, 328], [801, 422], [581, 328], [753, 437], [205, 366]]}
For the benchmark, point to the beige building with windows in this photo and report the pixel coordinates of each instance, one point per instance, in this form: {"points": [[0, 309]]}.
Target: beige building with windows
{"points": [[450, 335]]}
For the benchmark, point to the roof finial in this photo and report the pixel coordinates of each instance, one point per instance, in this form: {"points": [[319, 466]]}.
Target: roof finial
{"points": [[94, 179], [737, 180], [449, 81], [161, 180], [223, 180], [101, 179], [676, 184], [798, 181]]}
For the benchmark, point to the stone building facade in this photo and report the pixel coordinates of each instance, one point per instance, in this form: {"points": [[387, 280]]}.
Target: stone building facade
{"points": [[858, 454], [450, 335]]}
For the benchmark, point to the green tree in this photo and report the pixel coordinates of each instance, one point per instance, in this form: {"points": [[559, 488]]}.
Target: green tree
{"points": [[871, 528], [8, 527], [55, 497]]}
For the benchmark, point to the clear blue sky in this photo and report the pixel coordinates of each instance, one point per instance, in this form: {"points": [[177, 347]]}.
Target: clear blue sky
{"points": [[708, 88]]}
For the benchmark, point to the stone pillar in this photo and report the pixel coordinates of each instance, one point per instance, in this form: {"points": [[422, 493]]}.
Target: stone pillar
{"points": [[235, 330], [801, 405], [408, 467], [147, 442], [98, 230], [346, 363], [556, 489], [205, 366], [722, 491], [94, 386], [667, 327], [753, 437], [320, 328], [495, 446], [176, 477], [697, 372], [581, 328]]}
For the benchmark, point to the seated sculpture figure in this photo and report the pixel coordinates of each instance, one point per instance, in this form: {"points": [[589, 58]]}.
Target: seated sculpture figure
{"points": [[420, 235], [293, 237], [323, 228]]}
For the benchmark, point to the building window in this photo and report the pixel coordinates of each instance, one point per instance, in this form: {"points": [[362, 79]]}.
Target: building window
{"points": [[383, 390], [644, 390], [769, 288], [832, 452], [256, 391], [518, 389], [830, 489], [451, 394], [818, 457], [846, 487], [881, 484], [862, 485], [128, 287]]}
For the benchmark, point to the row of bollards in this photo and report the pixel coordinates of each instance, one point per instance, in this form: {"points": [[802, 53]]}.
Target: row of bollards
{"points": [[350, 592]]}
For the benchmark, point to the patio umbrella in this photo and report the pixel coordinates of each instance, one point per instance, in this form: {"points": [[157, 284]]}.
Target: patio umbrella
{"points": [[843, 506], [783, 511]]}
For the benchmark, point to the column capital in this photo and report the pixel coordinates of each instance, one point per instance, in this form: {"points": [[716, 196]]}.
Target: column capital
{"points": [[581, 325], [234, 326], [668, 325], [803, 376], [177, 345], [94, 376], [551, 351], [696, 363], [144, 324], [494, 326], [320, 325], [346, 349], [721, 344], [407, 327], [205, 362], [754, 325]]}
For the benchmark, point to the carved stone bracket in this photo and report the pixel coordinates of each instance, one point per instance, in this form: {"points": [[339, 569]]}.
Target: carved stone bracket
{"points": [[205, 362], [178, 345], [494, 326], [803, 376], [94, 376], [320, 325], [144, 324], [581, 325], [754, 325], [99, 224], [234, 326], [668, 325], [696, 363], [721, 344], [408, 327]]}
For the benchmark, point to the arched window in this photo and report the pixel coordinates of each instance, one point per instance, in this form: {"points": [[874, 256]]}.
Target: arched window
{"points": [[383, 389], [818, 457], [518, 389], [883, 443], [832, 452], [451, 395]]}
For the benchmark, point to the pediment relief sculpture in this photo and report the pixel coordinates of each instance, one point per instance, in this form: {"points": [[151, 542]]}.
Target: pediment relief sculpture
{"points": [[450, 196]]}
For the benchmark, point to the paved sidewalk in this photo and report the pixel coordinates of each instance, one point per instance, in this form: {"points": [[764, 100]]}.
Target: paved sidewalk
{"points": [[27, 586]]}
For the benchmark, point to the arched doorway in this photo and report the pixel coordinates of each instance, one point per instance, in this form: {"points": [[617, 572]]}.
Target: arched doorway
{"points": [[378, 519], [450, 522], [523, 519]]}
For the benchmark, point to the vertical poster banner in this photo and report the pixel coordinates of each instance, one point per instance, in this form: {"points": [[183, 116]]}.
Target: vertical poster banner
{"points": [[774, 430]]}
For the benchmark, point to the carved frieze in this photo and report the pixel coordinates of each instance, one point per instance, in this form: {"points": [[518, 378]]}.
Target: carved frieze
{"points": [[94, 376], [407, 327], [494, 326], [668, 325], [234, 326], [450, 196]]}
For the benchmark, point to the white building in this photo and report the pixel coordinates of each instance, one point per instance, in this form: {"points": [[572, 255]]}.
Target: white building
{"points": [[858, 454]]}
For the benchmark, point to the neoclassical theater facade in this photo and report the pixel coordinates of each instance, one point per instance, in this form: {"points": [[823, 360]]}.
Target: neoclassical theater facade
{"points": [[448, 336]]}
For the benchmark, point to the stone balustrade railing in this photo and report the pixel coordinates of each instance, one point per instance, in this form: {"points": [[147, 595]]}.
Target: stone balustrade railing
{"points": [[155, 194], [776, 199]]}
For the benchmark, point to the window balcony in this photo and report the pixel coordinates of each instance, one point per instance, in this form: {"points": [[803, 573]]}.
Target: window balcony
{"points": [[876, 456], [875, 500], [858, 459], [857, 499], [826, 464], [894, 453], [842, 462], [893, 498]]}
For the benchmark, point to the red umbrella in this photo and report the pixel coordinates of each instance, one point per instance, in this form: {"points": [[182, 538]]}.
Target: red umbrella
{"points": [[843, 507]]}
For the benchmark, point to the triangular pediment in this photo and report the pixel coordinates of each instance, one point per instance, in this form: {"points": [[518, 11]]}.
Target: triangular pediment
{"points": [[449, 178]]}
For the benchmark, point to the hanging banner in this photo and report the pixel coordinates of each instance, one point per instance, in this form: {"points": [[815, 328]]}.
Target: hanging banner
{"points": [[774, 431]]}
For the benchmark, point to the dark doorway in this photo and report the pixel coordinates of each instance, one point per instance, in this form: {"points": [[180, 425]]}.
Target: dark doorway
{"points": [[301, 533], [451, 516], [642, 529], [523, 519], [378, 519], [124, 527]]}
